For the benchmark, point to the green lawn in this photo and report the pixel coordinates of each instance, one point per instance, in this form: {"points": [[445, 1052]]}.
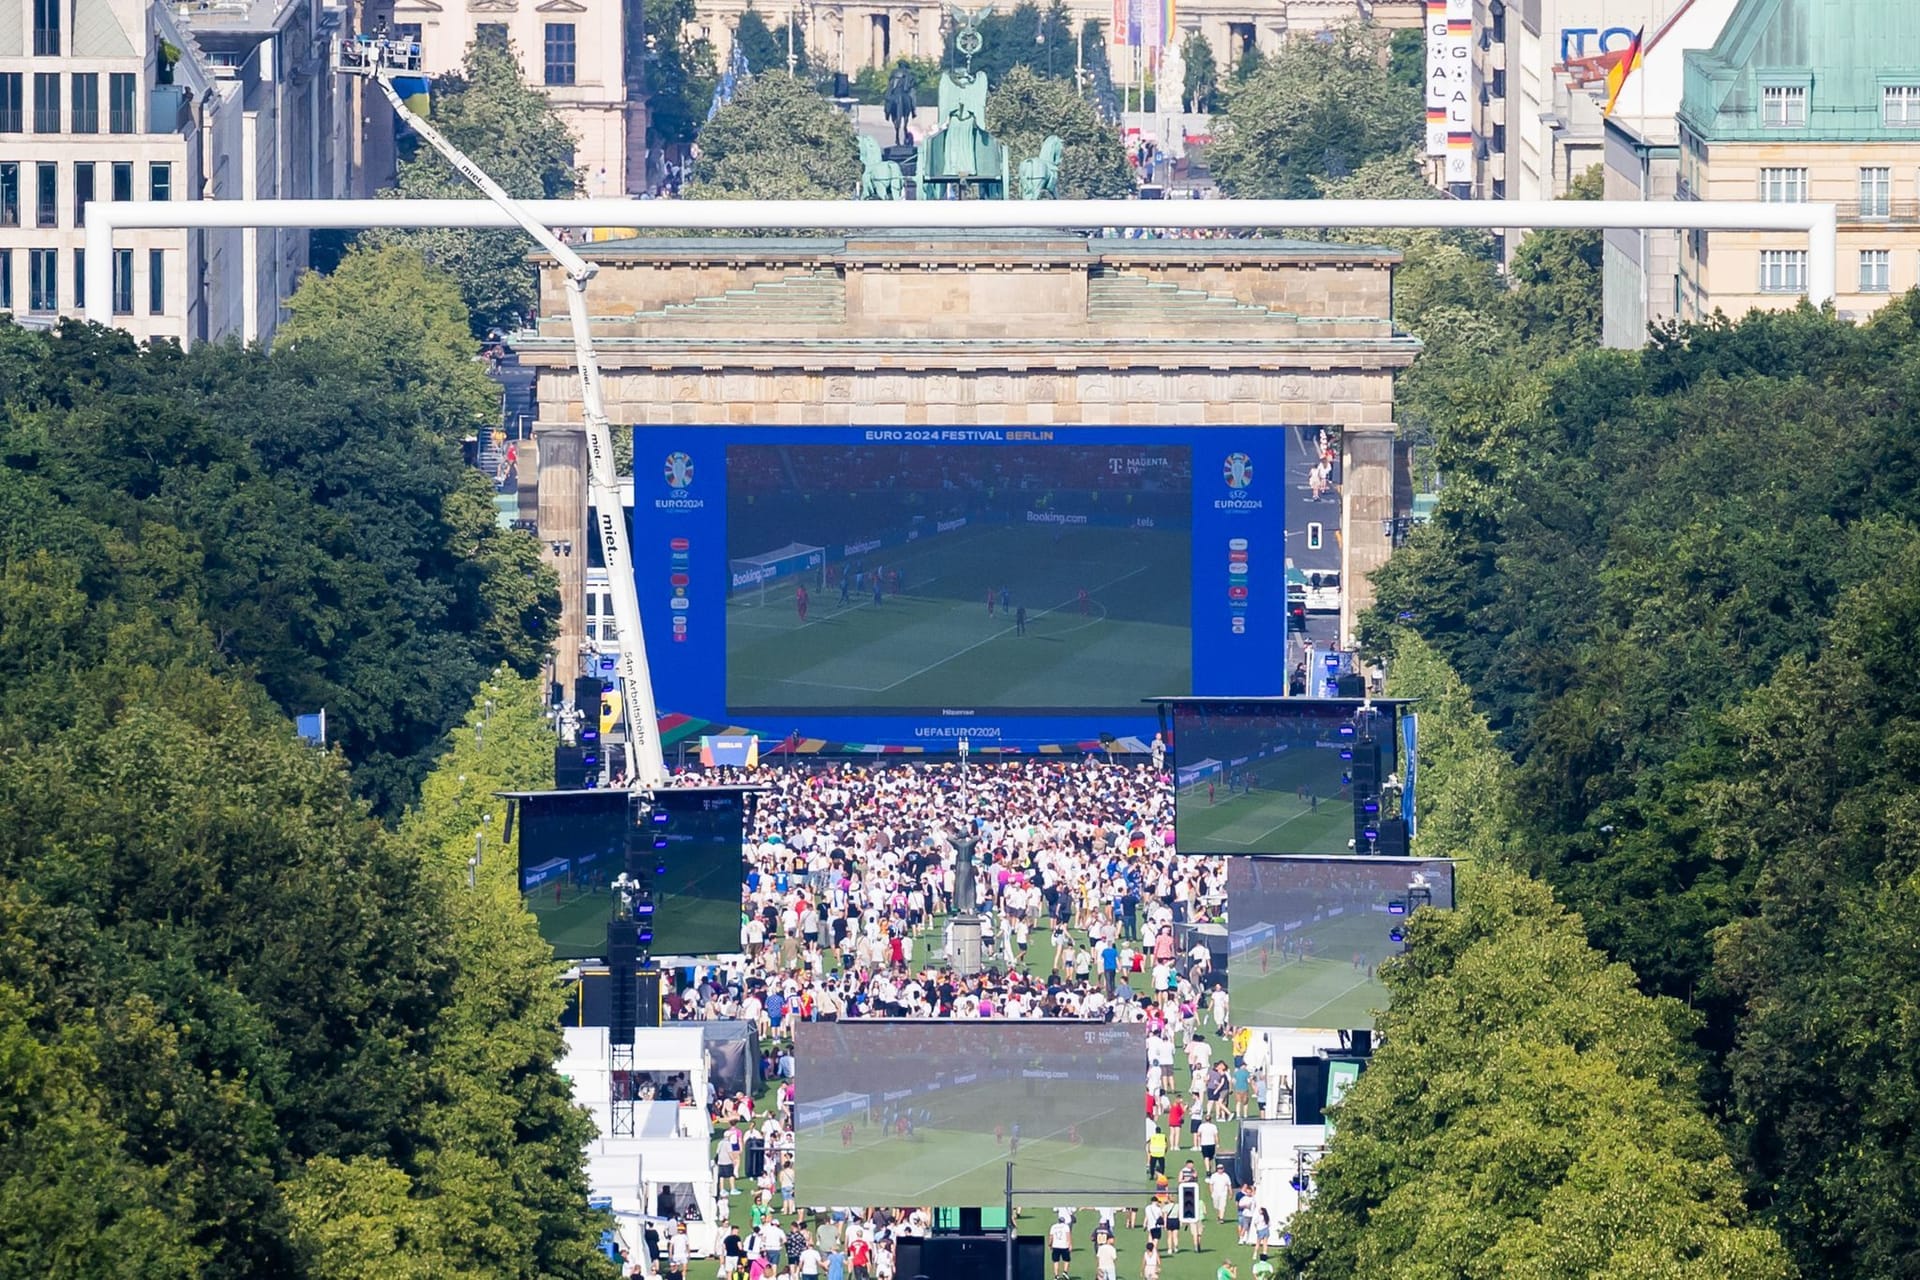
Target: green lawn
{"points": [[935, 645]]}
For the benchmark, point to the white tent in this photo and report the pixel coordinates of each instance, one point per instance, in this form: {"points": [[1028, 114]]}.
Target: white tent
{"points": [[665, 1169]]}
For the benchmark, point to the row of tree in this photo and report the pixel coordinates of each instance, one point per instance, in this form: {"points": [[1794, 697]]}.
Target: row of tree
{"points": [[1680, 584], [250, 1029]]}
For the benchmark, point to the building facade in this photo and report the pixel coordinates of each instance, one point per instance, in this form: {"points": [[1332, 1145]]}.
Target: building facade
{"points": [[1538, 87], [1803, 100], [573, 50], [1641, 269], [110, 100], [849, 37]]}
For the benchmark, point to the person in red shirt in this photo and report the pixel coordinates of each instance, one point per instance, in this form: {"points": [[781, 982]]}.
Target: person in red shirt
{"points": [[1176, 1116], [800, 602]]}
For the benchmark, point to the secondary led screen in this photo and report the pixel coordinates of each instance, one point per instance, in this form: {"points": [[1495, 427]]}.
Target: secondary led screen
{"points": [[573, 844], [1307, 936], [1019, 587], [893, 1111], [1279, 776], [698, 874]]}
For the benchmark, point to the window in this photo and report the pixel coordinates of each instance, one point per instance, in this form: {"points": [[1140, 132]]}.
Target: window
{"points": [[82, 190], [491, 35], [156, 281], [560, 47], [86, 102], [407, 31], [1783, 186], [46, 28], [6, 280], [12, 103], [79, 279], [10, 194], [160, 181], [1783, 271], [1900, 106], [43, 279], [1783, 106], [122, 115], [1876, 190], [123, 282], [46, 196], [46, 102], [1876, 271], [123, 180]]}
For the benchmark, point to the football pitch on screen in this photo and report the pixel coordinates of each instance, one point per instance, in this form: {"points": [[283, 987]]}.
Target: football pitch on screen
{"points": [[1272, 817], [574, 922], [949, 1167], [935, 644], [1328, 989]]}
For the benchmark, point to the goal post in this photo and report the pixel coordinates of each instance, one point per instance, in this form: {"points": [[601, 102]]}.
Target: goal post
{"points": [[797, 561]]}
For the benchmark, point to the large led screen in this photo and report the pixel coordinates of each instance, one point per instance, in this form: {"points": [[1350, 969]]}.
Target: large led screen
{"points": [[1010, 586], [574, 844], [1307, 936], [1282, 775], [896, 1111]]}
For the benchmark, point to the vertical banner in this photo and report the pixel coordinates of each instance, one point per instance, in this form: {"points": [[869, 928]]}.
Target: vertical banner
{"points": [[1459, 66], [1436, 32], [1117, 29], [1410, 752]]}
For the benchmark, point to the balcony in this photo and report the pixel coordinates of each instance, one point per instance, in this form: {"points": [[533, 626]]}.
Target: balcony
{"points": [[1896, 212]]}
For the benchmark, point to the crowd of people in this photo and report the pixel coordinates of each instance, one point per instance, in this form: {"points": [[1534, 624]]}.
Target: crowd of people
{"points": [[853, 872]]}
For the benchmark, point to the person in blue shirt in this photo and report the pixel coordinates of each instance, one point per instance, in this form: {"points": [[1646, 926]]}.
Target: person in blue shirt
{"points": [[1110, 964]]}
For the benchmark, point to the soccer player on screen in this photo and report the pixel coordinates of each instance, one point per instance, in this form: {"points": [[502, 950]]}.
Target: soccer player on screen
{"points": [[846, 1134], [1084, 607], [1013, 1139], [800, 601], [989, 602]]}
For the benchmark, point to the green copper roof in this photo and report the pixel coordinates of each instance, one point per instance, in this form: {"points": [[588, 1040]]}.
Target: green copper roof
{"points": [[1845, 53]]}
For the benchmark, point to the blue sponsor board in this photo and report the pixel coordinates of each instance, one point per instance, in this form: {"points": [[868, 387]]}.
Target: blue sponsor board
{"points": [[1015, 587]]}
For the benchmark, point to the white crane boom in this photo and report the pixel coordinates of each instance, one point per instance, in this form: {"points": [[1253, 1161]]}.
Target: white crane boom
{"points": [[380, 60]]}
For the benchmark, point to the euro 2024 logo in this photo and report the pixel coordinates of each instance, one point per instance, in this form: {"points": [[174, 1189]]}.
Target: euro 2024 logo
{"points": [[1238, 470], [679, 471]]}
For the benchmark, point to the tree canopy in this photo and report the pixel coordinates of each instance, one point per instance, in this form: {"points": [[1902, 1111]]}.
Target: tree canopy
{"points": [[1317, 109], [1529, 1110], [777, 140], [512, 131], [250, 1029], [1671, 577], [1023, 109]]}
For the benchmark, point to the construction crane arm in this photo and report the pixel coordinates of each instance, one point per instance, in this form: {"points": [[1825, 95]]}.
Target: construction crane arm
{"points": [[380, 60]]}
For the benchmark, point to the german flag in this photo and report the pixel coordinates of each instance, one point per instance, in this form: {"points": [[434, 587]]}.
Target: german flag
{"points": [[1436, 115], [1617, 74], [1460, 26]]}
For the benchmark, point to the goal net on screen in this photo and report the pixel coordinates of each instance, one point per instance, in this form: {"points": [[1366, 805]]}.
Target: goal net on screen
{"points": [[796, 562]]}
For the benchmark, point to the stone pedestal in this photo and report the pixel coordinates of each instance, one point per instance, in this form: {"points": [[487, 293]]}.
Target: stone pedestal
{"points": [[965, 946]]}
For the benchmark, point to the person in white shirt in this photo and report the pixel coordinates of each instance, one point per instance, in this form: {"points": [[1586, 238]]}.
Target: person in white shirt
{"points": [[1219, 1186], [1108, 1259], [1060, 1241], [1208, 1136]]}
